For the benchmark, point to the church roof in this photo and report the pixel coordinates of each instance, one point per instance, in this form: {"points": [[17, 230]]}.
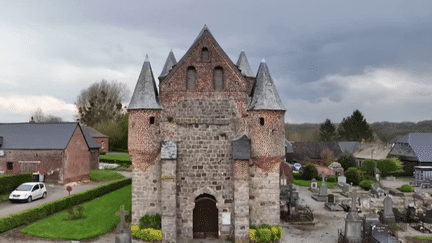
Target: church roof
{"points": [[243, 65], [145, 95], [264, 94], [204, 32], [170, 62], [420, 143]]}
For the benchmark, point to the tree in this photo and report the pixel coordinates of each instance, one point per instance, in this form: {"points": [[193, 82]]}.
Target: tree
{"points": [[386, 166], [368, 166], [352, 175], [117, 131], [101, 101], [327, 131], [309, 172], [347, 160], [39, 117], [327, 156], [354, 128]]}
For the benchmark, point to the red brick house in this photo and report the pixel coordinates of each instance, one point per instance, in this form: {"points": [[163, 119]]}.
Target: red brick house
{"points": [[60, 151], [101, 139]]}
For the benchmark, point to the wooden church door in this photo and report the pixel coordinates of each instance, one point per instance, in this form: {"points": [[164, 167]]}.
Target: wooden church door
{"points": [[205, 217]]}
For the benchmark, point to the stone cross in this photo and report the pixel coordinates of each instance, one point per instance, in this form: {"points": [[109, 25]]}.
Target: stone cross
{"points": [[354, 200], [323, 177], [121, 228]]}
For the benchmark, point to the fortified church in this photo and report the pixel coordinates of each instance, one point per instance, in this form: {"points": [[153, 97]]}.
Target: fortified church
{"points": [[206, 149]]}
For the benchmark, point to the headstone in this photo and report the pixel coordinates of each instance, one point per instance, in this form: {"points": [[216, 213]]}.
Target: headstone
{"points": [[314, 184], [353, 230], [370, 220], [341, 179], [169, 150], [379, 233], [330, 198], [388, 210], [346, 188], [323, 191], [365, 203], [123, 234]]}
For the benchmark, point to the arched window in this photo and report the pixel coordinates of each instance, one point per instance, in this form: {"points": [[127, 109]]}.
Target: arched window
{"points": [[205, 55], [218, 79], [191, 79]]}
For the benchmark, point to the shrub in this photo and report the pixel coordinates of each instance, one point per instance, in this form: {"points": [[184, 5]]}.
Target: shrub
{"points": [[310, 171], [352, 175], [386, 166], [252, 226], [369, 177], [366, 184], [41, 211], [263, 235], [298, 176], [368, 167], [406, 188], [347, 160], [146, 234], [150, 221], [252, 233], [276, 232], [331, 178]]}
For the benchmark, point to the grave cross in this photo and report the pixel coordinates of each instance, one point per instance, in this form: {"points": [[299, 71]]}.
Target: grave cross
{"points": [[122, 227], [323, 177]]}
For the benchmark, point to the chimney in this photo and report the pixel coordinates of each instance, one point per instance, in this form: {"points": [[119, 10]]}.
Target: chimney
{"points": [[31, 120]]}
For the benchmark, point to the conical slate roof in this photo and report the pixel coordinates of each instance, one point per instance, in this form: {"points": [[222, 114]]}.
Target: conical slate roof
{"points": [[265, 95], [145, 95], [243, 65], [170, 62]]}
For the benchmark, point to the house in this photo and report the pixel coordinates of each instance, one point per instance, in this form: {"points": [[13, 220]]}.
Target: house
{"points": [[59, 151], [312, 151], [374, 151], [206, 149], [414, 149], [101, 139]]}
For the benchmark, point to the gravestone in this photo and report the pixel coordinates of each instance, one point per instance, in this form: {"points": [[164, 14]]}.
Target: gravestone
{"points": [[388, 210], [330, 198], [314, 185], [377, 191], [342, 179], [323, 191], [123, 234], [428, 216], [379, 233], [365, 203], [370, 220], [353, 231]]}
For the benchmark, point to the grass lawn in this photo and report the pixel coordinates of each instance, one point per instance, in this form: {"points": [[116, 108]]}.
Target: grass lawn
{"points": [[116, 156], [104, 175], [100, 218], [423, 238], [307, 183]]}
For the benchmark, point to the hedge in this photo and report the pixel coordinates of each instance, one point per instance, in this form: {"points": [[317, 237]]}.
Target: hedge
{"points": [[8, 183], [265, 233], [146, 234], [406, 188], [39, 212], [366, 184]]}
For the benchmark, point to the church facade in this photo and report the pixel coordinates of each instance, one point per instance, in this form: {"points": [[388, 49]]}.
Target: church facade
{"points": [[206, 149]]}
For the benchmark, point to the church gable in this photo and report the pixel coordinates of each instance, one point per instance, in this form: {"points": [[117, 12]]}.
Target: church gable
{"points": [[204, 68]]}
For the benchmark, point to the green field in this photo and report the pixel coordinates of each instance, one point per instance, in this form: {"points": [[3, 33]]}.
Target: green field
{"points": [[116, 156], [100, 218], [104, 175]]}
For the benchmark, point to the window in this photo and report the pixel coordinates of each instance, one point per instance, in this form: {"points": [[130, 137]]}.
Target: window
{"points": [[152, 120], [205, 55], [262, 121], [191, 79], [102, 145], [41, 186], [10, 165], [36, 187], [218, 79]]}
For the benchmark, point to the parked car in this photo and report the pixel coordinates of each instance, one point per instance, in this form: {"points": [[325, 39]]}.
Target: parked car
{"points": [[297, 167], [29, 191]]}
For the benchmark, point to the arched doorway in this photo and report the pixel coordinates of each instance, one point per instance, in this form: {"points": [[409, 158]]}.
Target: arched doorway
{"points": [[205, 217]]}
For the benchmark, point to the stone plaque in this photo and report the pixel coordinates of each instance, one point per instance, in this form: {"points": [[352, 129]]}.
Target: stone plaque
{"points": [[169, 150], [341, 179], [226, 218]]}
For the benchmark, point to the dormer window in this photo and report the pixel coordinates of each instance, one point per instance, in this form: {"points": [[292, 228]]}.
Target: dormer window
{"points": [[205, 55], [191, 78], [218, 79]]}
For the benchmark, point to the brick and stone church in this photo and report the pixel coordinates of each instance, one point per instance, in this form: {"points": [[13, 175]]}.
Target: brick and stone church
{"points": [[207, 148]]}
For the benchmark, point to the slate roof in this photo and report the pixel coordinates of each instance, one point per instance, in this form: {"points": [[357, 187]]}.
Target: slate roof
{"points": [[288, 146], [304, 150], [243, 65], [169, 63], [93, 132], [242, 148], [40, 135], [351, 147], [264, 93], [372, 150], [417, 145], [145, 95]]}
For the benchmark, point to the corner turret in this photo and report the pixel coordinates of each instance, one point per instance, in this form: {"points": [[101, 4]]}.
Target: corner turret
{"points": [[243, 65], [169, 63]]}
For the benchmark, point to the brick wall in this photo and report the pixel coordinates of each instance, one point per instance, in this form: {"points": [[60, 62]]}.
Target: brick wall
{"points": [[94, 159], [105, 141], [50, 162], [76, 158]]}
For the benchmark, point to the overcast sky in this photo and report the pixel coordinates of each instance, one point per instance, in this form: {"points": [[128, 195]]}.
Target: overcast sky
{"points": [[327, 58]]}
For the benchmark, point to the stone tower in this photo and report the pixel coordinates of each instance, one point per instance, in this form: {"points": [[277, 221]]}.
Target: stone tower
{"points": [[206, 151]]}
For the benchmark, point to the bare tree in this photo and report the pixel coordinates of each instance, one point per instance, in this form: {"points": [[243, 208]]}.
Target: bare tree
{"points": [[39, 117], [101, 101]]}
